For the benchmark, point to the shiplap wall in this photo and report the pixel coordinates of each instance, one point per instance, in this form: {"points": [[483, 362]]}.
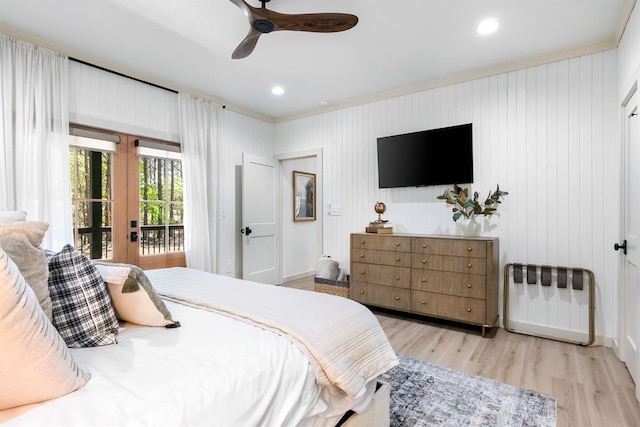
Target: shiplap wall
{"points": [[106, 100], [547, 134]]}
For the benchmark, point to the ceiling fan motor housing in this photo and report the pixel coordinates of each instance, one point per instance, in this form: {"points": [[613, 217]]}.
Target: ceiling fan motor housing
{"points": [[263, 26]]}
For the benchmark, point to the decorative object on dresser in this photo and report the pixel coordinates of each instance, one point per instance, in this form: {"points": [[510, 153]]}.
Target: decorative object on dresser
{"points": [[448, 277], [467, 209], [379, 226]]}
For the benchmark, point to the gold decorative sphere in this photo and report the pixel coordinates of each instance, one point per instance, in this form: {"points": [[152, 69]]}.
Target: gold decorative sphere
{"points": [[380, 208]]}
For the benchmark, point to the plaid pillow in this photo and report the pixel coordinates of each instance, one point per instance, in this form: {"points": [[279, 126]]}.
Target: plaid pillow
{"points": [[82, 310]]}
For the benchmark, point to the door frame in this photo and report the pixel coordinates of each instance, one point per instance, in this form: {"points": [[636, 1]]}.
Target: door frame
{"points": [[285, 211], [618, 342]]}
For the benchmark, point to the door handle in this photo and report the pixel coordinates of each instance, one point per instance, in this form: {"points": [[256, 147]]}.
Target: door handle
{"points": [[134, 236], [246, 231], [623, 246]]}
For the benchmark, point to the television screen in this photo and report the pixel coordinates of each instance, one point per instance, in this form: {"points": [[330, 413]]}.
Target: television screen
{"points": [[430, 157]]}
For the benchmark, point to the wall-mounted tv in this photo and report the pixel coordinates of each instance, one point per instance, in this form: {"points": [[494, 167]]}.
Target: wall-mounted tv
{"points": [[430, 157]]}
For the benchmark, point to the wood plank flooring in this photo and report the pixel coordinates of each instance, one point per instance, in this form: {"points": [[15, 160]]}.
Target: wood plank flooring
{"points": [[592, 386]]}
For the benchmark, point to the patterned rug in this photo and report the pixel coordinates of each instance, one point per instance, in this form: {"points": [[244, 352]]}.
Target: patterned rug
{"points": [[425, 394]]}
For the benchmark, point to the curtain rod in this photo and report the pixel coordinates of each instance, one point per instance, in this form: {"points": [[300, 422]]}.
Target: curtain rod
{"points": [[121, 75]]}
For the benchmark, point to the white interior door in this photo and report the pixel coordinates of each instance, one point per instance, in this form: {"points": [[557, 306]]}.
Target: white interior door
{"points": [[260, 219], [630, 337]]}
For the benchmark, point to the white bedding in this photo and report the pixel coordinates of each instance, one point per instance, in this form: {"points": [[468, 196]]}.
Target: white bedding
{"points": [[214, 371], [344, 342]]}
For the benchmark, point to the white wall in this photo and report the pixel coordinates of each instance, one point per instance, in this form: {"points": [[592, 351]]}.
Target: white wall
{"points": [[548, 134], [105, 100]]}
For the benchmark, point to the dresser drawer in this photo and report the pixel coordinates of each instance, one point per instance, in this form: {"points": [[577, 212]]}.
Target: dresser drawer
{"points": [[449, 263], [444, 282], [467, 310], [381, 274], [381, 296], [370, 256], [452, 247], [383, 243]]}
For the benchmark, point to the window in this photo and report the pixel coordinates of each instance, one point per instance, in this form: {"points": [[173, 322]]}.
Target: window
{"points": [[91, 171], [161, 205]]}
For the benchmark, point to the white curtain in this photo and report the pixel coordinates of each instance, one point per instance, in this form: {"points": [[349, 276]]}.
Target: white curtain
{"points": [[200, 130], [34, 137]]}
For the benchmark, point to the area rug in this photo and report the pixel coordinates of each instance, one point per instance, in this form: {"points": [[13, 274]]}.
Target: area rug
{"points": [[426, 394]]}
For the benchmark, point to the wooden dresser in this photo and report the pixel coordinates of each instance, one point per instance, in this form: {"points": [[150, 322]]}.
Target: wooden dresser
{"points": [[448, 277]]}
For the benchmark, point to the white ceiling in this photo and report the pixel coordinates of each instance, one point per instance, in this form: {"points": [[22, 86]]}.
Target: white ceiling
{"points": [[187, 44]]}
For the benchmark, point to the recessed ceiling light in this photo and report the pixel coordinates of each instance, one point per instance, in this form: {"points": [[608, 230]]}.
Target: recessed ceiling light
{"points": [[277, 90], [324, 102], [488, 26]]}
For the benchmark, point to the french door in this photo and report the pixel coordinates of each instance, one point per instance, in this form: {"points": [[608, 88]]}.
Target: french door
{"points": [[127, 198]]}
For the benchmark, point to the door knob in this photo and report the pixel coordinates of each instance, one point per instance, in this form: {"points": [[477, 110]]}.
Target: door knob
{"points": [[246, 231], [134, 236], [623, 246]]}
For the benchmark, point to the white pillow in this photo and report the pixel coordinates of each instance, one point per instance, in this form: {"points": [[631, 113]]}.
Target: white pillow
{"points": [[21, 240], [134, 298], [35, 363], [11, 216]]}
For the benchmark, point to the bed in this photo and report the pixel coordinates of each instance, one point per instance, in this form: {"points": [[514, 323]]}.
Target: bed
{"points": [[245, 354]]}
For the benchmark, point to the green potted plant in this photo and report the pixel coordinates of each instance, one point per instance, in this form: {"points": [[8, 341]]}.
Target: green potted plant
{"points": [[470, 207]]}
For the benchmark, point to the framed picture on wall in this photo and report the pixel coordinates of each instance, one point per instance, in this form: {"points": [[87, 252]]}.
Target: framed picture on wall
{"points": [[304, 196]]}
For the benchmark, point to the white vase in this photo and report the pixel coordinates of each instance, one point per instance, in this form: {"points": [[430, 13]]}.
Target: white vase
{"points": [[469, 227]]}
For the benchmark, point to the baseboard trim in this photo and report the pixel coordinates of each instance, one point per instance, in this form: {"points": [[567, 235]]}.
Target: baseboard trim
{"points": [[298, 276]]}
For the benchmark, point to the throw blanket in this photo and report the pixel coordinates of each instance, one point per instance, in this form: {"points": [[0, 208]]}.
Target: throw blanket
{"points": [[342, 339]]}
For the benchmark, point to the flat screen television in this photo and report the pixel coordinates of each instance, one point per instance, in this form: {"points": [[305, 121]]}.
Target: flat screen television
{"points": [[430, 157]]}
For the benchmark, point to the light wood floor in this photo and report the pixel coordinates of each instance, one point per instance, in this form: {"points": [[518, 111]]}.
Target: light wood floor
{"points": [[592, 386]]}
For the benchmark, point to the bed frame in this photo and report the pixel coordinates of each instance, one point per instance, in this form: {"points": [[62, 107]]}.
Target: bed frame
{"points": [[376, 415]]}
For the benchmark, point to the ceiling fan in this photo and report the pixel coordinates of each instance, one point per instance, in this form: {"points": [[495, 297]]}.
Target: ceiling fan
{"points": [[265, 21]]}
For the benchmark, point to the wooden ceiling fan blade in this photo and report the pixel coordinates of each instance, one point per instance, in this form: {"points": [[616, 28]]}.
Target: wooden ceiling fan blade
{"points": [[247, 45], [244, 7], [313, 22]]}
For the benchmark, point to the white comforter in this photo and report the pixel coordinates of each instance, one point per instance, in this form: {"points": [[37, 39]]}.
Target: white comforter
{"points": [[344, 342], [213, 371]]}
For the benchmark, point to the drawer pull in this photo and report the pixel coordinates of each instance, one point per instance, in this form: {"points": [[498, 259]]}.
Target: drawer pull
{"points": [[424, 246], [397, 277], [397, 258], [397, 243], [469, 286], [361, 255], [361, 271], [469, 265], [424, 280], [469, 249], [361, 292], [468, 310], [362, 242], [424, 261], [397, 298], [424, 302]]}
